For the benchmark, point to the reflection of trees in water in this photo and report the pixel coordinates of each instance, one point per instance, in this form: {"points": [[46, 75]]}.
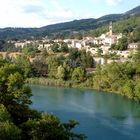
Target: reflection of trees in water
{"points": [[90, 101], [118, 107]]}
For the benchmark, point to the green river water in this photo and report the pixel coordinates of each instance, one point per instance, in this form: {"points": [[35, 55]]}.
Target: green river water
{"points": [[102, 116]]}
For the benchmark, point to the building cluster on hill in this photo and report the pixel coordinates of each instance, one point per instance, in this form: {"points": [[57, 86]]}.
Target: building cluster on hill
{"points": [[96, 45]]}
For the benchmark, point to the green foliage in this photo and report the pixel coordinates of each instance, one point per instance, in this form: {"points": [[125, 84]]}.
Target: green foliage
{"points": [[120, 78], [137, 90], [39, 67], [8, 131], [59, 47], [80, 58], [53, 63], [30, 50], [121, 45], [136, 56], [128, 89], [78, 75], [49, 127], [61, 73], [125, 25], [23, 63], [5, 46], [14, 95], [4, 115], [99, 52], [17, 120], [64, 48], [86, 60], [55, 47], [136, 35]]}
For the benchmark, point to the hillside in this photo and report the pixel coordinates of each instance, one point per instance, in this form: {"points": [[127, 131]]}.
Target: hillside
{"points": [[63, 29]]}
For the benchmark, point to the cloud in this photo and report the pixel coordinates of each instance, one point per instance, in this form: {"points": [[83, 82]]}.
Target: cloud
{"points": [[113, 2], [32, 13], [16, 13], [37, 13], [32, 9]]}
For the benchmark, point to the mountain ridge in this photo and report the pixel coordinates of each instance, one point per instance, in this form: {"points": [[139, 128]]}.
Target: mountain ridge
{"points": [[75, 25]]}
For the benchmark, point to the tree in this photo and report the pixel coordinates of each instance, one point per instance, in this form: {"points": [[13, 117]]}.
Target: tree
{"points": [[40, 67], [17, 120], [61, 73], [122, 44], [137, 91], [78, 75], [128, 89], [74, 54], [14, 94], [49, 127], [24, 63], [136, 35], [8, 131], [86, 60], [30, 50], [64, 48], [53, 63], [4, 115], [136, 62], [136, 56], [99, 52], [55, 47]]}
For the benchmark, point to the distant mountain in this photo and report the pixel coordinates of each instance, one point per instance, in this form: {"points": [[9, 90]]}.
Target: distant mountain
{"points": [[87, 24], [66, 27], [11, 33], [134, 11]]}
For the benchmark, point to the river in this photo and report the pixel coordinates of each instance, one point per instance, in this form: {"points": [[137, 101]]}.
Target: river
{"points": [[102, 116]]}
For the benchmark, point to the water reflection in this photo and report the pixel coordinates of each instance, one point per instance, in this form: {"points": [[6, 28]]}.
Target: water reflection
{"points": [[115, 116]]}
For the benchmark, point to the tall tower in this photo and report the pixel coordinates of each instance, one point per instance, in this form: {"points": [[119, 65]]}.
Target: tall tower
{"points": [[110, 28]]}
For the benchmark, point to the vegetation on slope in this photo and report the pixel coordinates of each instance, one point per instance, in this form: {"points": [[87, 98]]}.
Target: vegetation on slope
{"points": [[17, 120], [71, 70]]}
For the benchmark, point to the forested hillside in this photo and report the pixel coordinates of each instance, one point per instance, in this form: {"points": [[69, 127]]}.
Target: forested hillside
{"points": [[126, 26]]}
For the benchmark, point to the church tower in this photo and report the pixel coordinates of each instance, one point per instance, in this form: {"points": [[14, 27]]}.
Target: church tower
{"points": [[110, 29]]}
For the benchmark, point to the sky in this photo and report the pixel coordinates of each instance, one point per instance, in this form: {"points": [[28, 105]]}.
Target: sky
{"points": [[38, 13]]}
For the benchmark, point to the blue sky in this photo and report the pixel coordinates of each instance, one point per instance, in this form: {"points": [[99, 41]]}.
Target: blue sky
{"points": [[37, 13]]}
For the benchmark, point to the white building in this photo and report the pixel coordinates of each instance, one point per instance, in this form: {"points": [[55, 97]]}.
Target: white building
{"points": [[124, 54], [99, 60], [20, 44], [44, 46], [93, 51], [105, 49], [132, 46]]}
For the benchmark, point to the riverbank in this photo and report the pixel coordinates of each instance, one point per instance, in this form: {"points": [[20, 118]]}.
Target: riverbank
{"points": [[70, 84], [49, 82], [56, 82]]}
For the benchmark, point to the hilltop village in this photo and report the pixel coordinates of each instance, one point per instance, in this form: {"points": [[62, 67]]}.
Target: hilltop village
{"points": [[103, 48], [99, 47]]}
